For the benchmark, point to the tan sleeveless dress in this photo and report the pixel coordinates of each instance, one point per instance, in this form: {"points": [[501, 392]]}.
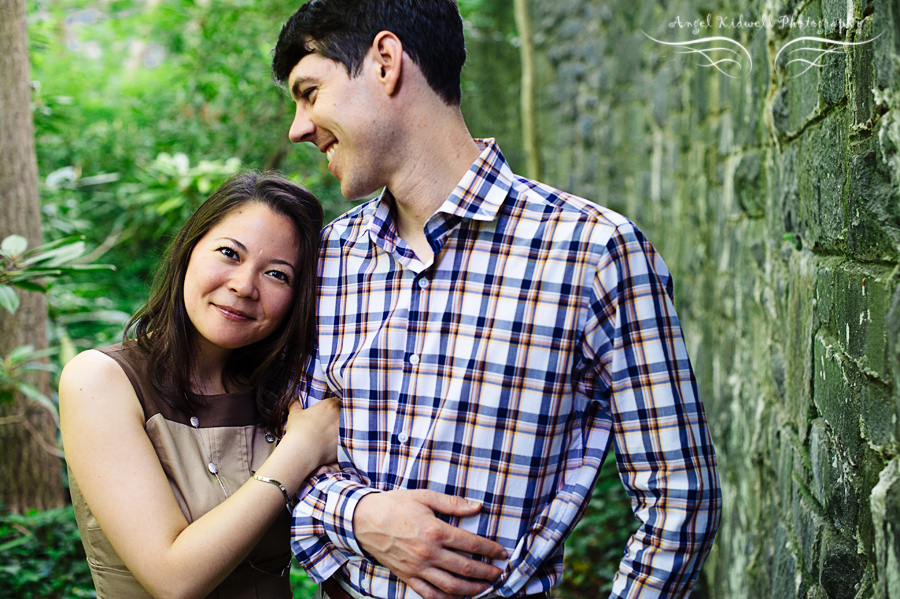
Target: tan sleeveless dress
{"points": [[230, 426]]}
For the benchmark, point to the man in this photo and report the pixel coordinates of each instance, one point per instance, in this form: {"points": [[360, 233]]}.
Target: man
{"points": [[489, 337]]}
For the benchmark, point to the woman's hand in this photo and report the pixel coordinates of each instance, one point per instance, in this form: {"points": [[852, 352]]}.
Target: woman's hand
{"points": [[317, 427], [331, 468]]}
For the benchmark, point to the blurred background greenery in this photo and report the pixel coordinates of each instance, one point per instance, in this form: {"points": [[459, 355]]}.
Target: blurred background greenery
{"points": [[141, 108]]}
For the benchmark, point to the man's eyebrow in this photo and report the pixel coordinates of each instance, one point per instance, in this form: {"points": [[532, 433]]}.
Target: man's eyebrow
{"points": [[243, 248]]}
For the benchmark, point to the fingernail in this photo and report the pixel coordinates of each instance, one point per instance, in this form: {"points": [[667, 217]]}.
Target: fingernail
{"points": [[473, 503]]}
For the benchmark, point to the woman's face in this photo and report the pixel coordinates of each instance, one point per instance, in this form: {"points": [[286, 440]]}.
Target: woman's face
{"points": [[239, 284]]}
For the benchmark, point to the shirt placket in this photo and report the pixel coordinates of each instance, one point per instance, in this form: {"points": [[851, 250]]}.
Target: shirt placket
{"points": [[413, 291], [418, 286], [400, 436]]}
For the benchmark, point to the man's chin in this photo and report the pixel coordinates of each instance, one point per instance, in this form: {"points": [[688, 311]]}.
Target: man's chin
{"points": [[355, 193]]}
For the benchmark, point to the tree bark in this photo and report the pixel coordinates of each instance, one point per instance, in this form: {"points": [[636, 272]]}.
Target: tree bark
{"points": [[29, 474], [526, 52]]}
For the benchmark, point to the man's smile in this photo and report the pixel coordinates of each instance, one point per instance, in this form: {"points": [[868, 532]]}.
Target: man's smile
{"points": [[330, 150]]}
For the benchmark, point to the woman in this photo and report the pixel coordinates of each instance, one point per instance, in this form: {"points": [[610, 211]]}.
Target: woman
{"points": [[178, 485]]}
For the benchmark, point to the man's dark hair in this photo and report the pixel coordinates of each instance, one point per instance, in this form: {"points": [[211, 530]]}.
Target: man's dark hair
{"points": [[343, 30], [164, 332]]}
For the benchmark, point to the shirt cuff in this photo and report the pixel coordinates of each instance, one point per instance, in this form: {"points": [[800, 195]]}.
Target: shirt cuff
{"points": [[340, 505]]}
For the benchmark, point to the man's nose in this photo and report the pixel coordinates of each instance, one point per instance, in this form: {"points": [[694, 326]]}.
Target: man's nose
{"points": [[302, 129]]}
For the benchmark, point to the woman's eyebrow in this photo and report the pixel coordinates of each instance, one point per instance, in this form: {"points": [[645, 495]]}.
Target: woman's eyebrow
{"points": [[280, 261], [243, 248]]}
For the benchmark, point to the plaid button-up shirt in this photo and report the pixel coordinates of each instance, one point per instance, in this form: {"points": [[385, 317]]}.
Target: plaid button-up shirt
{"points": [[543, 330]]}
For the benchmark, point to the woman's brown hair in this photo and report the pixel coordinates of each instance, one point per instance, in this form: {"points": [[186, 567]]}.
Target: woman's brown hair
{"points": [[163, 331]]}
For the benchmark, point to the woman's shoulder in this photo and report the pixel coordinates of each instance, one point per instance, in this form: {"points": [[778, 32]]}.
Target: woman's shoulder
{"points": [[91, 364], [94, 378], [123, 368], [111, 360]]}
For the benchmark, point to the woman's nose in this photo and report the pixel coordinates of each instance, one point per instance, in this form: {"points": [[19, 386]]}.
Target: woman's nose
{"points": [[243, 283]]}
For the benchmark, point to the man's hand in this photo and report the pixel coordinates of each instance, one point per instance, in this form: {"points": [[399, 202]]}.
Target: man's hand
{"points": [[400, 530]]}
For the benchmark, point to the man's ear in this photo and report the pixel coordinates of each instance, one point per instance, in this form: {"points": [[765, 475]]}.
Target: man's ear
{"points": [[388, 52]]}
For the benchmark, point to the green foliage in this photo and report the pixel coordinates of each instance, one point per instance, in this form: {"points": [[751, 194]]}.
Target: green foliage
{"points": [[302, 585], [595, 548], [33, 270], [41, 556], [14, 371]]}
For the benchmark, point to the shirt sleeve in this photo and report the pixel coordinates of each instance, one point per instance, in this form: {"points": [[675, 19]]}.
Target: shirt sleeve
{"points": [[322, 524], [643, 379]]}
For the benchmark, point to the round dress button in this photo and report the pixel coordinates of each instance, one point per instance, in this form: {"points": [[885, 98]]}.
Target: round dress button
{"points": [[414, 359], [423, 283], [270, 437], [403, 437]]}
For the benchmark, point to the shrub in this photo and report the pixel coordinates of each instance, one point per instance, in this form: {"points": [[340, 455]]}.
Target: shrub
{"points": [[41, 556]]}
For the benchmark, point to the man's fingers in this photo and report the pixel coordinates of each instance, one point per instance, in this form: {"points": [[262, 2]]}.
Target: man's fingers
{"points": [[434, 583], [466, 567], [468, 542], [400, 529], [447, 504], [426, 590], [457, 538]]}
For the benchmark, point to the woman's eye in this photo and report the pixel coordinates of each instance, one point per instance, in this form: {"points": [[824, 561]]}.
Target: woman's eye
{"points": [[228, 252], [280, 275]]}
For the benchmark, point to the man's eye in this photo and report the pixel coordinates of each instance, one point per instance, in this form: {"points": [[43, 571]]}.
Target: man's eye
{"points": [[309, 95]]}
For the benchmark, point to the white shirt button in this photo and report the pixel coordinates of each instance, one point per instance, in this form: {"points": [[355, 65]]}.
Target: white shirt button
{"points": [[423, 283], [403, 437], [414, 359]]}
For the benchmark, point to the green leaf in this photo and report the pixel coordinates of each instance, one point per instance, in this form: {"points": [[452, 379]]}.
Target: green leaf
{"points": [[15, 543], [170, 204], [32, 393], [41, 367], [30, 286], [83, 267], [55, 244], [21, 353], [33, 273], [58, 256], [14, 245], [67, 349], [9, 300]]}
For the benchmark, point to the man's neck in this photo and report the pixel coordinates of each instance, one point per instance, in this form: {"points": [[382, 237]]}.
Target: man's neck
{"points": [[436, 163]]}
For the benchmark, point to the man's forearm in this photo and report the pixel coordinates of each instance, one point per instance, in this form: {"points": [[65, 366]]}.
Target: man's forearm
{"points": [[322, 528]]}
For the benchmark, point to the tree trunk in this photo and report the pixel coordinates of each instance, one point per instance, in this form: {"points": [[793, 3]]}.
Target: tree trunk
{"points": [[29, 475], [526, 52]]}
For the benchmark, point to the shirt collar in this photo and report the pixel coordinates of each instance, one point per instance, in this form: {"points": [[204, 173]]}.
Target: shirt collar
{"points": [[484, 187], [477, 196]]}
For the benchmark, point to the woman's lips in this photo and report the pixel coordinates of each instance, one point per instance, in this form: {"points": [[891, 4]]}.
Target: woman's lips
{"points": [[233, 313]]}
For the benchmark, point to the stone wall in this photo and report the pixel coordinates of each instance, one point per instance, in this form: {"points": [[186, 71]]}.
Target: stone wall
{"points": [[772, 194]]}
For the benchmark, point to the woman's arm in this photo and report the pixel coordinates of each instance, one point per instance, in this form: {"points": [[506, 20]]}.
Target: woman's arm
{"points": [[123, 482]]}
